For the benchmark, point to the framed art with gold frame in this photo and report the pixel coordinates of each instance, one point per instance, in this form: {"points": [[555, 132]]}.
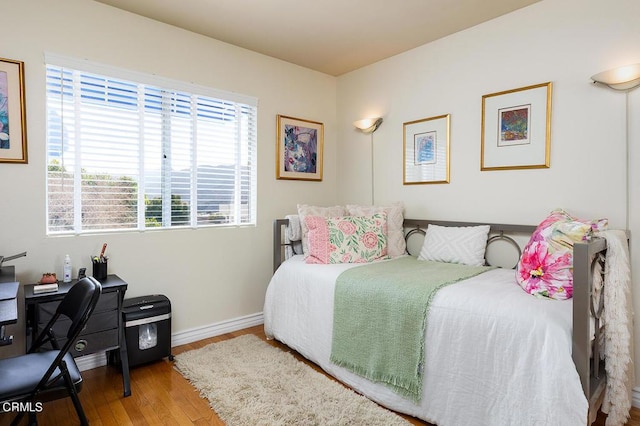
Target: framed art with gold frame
{"points": [[299, 148], [516, 129], [426, 150], [13, 125]]}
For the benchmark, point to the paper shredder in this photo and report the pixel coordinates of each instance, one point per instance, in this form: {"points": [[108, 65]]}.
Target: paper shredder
{"points": [[147, 321]]}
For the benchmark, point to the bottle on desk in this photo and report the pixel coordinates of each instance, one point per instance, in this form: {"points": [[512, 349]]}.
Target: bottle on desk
{"points": [[66, 275]]}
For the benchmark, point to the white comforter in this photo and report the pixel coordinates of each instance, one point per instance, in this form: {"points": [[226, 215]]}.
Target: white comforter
{"points": [[494, 355]]}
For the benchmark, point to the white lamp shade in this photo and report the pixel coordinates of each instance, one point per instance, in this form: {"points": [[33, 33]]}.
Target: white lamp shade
{"points": [[368, 125], [621, 78]]}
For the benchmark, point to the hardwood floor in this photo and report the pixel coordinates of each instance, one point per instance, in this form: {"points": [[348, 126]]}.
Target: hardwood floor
{"points": [[160, 396]]}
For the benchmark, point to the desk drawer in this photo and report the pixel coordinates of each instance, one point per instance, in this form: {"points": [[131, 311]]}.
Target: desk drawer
{"points": [[99, 321], [107, 302], [93, 342]]}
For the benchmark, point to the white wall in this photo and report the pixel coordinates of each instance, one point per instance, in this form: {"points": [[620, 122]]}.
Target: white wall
{"points": [[562, 41], [203, 272], [210, 275]]}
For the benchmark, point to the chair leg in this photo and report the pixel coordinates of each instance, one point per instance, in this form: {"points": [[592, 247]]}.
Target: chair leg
{"points": [[33, 421], [73, 394], [17, 418]]}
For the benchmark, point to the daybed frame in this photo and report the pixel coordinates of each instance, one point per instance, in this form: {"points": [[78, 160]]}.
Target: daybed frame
{"points": [[586, 256]]}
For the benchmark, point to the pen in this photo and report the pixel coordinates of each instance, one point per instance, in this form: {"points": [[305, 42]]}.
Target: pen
{"points": [[104, 248]]}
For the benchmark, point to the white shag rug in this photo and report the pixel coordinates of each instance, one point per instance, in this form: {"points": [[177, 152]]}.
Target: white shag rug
{"points": [[249, 382]]}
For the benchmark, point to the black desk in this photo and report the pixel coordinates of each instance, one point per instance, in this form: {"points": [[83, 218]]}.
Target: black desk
{"points": [[8, 302], [104, 330]]}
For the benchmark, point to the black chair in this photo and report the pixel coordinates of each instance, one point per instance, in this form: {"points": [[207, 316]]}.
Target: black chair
{"points": [[48, 371]]}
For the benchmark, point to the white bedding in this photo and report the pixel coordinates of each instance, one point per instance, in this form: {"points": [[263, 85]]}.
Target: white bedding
{"points": [[494, 355]]}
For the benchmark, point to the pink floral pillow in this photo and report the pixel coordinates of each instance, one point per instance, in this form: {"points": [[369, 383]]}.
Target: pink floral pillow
{"points": [[348, 239], [396, 244], [546, 266]]}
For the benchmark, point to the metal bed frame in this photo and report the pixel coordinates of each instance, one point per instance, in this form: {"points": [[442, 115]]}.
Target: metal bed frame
{"points": [[588, 259]]}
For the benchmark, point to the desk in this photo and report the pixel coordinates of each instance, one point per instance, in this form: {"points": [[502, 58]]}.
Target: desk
{"points": [[8, 302], [104, 331]]}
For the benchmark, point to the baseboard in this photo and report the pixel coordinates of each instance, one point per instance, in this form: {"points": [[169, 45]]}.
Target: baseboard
{"points": [[635, 397], [99, 359], [89, 362], [228, 326]]}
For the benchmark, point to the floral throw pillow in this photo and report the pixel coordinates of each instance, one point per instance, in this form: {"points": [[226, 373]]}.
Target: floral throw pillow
{"points": [[347, 239], [546, 265], [396, 244], [305, 210]]}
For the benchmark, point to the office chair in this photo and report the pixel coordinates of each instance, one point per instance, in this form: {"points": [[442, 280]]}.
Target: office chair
{"points": [[47, 374]]}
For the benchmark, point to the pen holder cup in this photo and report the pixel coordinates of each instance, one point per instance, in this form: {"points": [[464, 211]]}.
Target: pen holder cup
{"points": [[100, 270]]}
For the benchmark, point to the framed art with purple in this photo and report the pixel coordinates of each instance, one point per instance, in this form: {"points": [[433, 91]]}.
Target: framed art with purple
{"points": [[516, 129], [13, 127], [299, 148]]}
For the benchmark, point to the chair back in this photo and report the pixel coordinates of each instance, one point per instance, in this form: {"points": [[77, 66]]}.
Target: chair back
{"points": [[79, 303]]}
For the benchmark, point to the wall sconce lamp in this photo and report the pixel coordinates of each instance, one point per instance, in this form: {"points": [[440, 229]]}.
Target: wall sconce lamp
{"points": [[621, 78], [368, 125]]}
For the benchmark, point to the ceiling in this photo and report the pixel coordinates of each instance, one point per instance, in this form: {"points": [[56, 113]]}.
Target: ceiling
{"points": [[330, 36]]}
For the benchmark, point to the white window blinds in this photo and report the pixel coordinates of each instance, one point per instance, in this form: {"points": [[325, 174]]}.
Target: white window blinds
{"points": [[125, 154]]}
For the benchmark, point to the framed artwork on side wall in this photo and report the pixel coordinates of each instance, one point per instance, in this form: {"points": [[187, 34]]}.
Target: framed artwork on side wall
{"points": [[13, 126], [299, 148], [516, 129], [426, 150]]}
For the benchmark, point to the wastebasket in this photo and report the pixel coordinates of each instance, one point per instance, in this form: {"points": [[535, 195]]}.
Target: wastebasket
{"points": [[147, 321]]}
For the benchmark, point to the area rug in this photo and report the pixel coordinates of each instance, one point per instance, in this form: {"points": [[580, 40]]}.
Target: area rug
{"points": [[249, 382]]}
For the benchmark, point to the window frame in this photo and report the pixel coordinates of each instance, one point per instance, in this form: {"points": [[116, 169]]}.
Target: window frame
{"points": [[243, 170]]}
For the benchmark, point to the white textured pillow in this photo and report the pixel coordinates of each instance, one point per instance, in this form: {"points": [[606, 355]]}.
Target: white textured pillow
{"points": [[306, 210], [455, 244], [396, 244]]}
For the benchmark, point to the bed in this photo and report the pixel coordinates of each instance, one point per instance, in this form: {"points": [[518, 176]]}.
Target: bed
{"points": [[493, 354]]}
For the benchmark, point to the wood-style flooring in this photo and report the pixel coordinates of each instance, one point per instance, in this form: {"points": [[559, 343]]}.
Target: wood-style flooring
{"points": [[160, 396]]}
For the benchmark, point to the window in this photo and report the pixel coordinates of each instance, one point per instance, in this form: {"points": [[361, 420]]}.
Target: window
{"points": [[141, 152]]}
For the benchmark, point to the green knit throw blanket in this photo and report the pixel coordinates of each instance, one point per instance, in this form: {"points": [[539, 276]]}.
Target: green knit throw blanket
{"points": [[380, 318]]}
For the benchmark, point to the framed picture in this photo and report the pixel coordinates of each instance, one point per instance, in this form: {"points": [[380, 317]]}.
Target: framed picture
{"points": [[516, 129], [426, 150], [299, 150], [13, 127]]}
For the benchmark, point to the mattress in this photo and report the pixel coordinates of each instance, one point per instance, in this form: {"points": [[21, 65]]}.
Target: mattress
{"points": [[494, 355]]}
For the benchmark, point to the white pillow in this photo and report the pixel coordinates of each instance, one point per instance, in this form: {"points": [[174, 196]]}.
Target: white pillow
{"points": [[306, 210], [455, 244], [396, 244]]}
